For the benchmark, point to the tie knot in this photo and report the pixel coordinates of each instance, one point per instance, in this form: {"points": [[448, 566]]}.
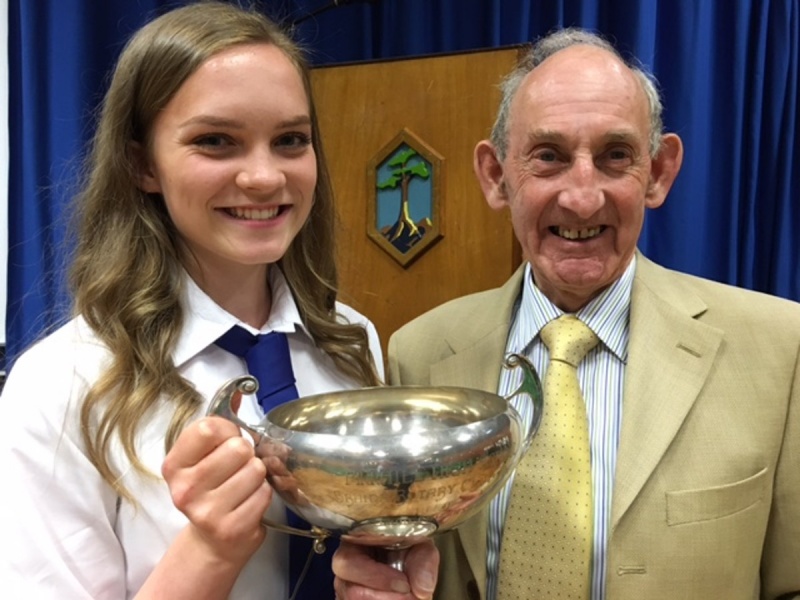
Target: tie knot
{"points": [[237, 340], [568, 339], [268, 359]]}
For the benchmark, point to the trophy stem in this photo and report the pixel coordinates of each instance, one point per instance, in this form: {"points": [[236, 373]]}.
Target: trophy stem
{"points": [[394, 557]]}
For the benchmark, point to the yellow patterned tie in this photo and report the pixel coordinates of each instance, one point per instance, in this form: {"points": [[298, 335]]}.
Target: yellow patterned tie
{"points": [[549, 527]]}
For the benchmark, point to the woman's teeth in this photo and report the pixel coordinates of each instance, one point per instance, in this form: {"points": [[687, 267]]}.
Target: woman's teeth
{"points": [[254, 214]]}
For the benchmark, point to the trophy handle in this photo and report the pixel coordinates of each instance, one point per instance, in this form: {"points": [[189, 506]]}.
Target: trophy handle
{"points": [[318, 534], [531, 387], [221, 406]]}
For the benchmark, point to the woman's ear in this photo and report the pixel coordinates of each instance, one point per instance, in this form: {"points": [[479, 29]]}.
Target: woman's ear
{"points": [[489, 171], [664, 169], [145, 176]]}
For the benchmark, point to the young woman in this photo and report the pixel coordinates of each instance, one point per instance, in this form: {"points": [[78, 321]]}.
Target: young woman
{"points": [[206, 205]]}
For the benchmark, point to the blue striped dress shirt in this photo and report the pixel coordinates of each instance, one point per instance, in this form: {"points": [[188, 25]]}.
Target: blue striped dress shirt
{"points": [[601, 379]]}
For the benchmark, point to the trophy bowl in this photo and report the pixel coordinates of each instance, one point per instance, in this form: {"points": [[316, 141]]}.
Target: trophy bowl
{"points": [[389, 466]]}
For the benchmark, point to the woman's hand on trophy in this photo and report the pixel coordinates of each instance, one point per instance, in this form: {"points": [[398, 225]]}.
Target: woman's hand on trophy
{"points": [[359, 576], [216, 480]]}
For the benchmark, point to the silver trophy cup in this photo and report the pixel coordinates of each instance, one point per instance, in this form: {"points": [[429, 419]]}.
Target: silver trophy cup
{"points": [[388, 466]]}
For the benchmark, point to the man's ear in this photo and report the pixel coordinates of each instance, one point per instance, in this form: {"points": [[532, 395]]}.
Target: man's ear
{"points": [[664, 169], [489, 171], [146, 177]]}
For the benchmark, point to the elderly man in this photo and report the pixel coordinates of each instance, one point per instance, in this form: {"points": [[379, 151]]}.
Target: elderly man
{"points": [[667, 464]]}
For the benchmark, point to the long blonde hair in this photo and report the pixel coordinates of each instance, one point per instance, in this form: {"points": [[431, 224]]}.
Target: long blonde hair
{"points": [[126, 276]]}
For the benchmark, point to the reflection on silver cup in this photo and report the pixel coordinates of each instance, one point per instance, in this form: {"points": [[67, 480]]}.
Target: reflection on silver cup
{"points": [[389, 466]]}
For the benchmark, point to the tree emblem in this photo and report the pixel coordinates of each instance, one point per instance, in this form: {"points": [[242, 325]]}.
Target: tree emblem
{"points": [[404, 216], [405, 165]]}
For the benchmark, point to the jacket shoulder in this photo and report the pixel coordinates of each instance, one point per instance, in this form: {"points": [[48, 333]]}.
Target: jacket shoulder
{"points": [[722, 304]]}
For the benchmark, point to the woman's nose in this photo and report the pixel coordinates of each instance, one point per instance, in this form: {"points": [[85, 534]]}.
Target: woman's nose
{"points": [[261, 172]]}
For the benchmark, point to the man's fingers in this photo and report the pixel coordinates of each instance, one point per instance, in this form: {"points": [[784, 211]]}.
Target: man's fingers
{"points": [[354, 564], [422, 568]]}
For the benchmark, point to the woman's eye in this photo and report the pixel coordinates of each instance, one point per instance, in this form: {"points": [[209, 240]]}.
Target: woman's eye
{"points": [[212, 141], [293, 140]]}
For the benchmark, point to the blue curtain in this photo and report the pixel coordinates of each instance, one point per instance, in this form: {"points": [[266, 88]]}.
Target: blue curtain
{"points": [[728, 71], [59, 54]]}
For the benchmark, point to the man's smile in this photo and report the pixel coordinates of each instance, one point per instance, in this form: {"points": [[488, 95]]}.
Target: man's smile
{"points": [[584, 233]]}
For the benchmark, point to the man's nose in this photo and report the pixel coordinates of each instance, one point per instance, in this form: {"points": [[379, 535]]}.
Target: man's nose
{"points": [[583, 190]]}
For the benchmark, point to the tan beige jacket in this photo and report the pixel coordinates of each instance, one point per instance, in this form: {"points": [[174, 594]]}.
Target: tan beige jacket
{"points": [[706, 501]]}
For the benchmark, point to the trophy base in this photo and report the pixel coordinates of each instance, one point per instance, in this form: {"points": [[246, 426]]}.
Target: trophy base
{"points": [[391, 532]]}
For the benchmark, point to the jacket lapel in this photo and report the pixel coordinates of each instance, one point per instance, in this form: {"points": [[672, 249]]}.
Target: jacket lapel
{"points": [[479, 342], [478, 351], [670, 356], [476, 367]]}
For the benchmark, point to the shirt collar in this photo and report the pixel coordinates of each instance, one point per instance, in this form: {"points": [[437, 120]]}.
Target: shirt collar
{"points": [[205, 320], [607, 315]]}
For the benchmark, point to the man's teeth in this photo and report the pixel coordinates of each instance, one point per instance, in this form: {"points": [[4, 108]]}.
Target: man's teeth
{"points": [[254, 214], [579, 234]]}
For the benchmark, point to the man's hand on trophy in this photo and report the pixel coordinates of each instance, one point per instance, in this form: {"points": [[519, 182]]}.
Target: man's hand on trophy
{"points": [[359, 576]]}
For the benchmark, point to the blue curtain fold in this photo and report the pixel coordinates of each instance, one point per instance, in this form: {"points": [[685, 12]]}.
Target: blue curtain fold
{"points": [[728, 72], [60, 52]]}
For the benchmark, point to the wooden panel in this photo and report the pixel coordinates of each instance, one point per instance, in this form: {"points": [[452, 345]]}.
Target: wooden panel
{"points": [[449, 102]]}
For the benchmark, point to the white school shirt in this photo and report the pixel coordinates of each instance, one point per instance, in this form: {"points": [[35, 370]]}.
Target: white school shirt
{"points": [[64, 533]]}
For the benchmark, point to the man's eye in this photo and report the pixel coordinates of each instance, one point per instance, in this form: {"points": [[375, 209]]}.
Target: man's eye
{"points": [[618, 154], [546, 156]]}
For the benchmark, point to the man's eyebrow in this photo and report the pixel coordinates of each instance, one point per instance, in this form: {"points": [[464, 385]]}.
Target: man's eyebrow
{"points": [[549, 135], [621, 135], [546, 135]]}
